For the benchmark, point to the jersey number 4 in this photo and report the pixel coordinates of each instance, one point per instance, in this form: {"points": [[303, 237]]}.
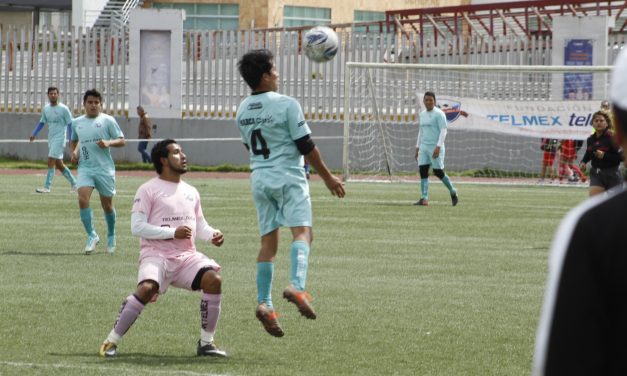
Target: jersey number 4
{"points": [[258, 144]]}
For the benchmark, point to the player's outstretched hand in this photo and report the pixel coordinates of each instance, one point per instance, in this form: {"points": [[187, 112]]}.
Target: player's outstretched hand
{"points": [[183, 232], [218, 238], [336, 186]]}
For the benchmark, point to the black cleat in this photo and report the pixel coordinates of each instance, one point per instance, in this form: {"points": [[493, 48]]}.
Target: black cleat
{"points": [[209, 349], [422, 202], [454, 199]]}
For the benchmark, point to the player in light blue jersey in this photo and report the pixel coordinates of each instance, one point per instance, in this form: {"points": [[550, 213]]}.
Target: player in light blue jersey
{"points": [[274, 130], [92, 136], [59, 119], [430, 149]]}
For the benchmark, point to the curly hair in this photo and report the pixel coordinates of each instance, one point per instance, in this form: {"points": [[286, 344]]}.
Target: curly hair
{"points": [[607, 116]]}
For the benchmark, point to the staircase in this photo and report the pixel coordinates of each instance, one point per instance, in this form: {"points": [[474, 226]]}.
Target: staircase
{"points": [[116, 13]]}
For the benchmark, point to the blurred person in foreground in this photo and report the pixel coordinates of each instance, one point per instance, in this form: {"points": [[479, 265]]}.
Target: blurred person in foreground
{"points": [[583, 324]]}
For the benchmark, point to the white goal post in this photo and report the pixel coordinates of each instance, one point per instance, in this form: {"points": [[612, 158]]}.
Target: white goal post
{"points": [[497, 115]]}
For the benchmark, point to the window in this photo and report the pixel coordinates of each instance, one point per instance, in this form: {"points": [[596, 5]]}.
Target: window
{"points": [[55, 19], [206, 16], [367, 16], [303, 16]]}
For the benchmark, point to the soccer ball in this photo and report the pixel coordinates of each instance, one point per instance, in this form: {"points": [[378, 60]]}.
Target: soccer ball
{"points": [[320, 44]]}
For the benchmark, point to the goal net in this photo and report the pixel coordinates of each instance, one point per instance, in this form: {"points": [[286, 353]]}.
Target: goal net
{"points": [[497, 116]]}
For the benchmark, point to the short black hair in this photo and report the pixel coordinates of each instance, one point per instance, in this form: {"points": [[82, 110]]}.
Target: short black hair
{"points": [[429, 94], [92, 93], [160, 150], [53, 88], [253, 65]]}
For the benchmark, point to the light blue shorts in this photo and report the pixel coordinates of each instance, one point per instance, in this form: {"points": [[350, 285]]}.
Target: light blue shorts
{"points": [[425, 155], [104, 184], [281, 197], [56, 148]]}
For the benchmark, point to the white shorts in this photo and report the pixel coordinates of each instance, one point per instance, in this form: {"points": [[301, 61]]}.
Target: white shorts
{"points": [[179, 270]]}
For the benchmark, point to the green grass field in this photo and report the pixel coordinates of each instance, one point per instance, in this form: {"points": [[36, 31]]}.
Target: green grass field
{"points": [[400, 289]]}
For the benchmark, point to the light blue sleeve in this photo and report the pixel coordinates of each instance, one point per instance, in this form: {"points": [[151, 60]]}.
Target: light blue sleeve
{"points": [[68, 115], [114, 129], [73, 134], [296, 120], [442, 123]]}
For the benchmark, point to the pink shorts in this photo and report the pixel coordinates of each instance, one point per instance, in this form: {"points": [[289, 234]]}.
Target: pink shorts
{"points": [[179, 270]]}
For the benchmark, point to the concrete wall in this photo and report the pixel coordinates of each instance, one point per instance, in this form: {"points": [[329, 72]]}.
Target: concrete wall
{"points": [[228, 149]]}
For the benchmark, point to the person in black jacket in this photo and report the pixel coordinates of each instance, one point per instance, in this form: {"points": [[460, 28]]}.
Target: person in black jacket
{"points": [[583, 325], [605, 155]]}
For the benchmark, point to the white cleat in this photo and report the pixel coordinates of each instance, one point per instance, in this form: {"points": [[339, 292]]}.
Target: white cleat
{"points": [[111, 244], [90, 247], [42, 190]]}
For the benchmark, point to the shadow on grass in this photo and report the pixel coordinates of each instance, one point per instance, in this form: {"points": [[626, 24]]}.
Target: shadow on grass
{"points": [[44, 254], [143, 359]]}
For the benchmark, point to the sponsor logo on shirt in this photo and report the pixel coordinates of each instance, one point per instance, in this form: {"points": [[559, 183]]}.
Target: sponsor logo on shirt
{"points": [[264, 120], [248, 121], [179, 218], [255, 106]]}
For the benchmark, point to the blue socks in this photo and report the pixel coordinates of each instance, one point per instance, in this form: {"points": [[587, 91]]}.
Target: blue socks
{"points": [[86, 218], [424, 188], [265, 272], [110, 218], [448, 184], [68, 175], [299, 255], [49, 177]]}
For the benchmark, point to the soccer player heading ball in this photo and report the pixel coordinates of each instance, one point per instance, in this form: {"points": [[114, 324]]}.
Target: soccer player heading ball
{"points": [[274, 130]]}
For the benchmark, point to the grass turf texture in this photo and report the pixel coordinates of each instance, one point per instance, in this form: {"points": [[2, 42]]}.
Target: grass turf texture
{"points": [[399, 289]]}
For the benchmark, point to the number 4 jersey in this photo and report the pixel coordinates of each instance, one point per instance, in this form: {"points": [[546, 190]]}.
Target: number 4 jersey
{"points": [[269, 123]]}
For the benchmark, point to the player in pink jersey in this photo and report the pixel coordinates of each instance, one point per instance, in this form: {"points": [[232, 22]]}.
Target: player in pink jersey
{"points": [[168, 218]]}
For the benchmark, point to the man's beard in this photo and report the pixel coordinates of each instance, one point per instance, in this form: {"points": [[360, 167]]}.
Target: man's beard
{"points": [[180, 170]]}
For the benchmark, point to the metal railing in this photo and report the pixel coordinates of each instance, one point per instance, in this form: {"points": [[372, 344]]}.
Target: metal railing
{"points": [[76, 59]]}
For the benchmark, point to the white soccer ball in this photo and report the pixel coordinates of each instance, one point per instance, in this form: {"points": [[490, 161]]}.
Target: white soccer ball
{"points": [[320, 44]]}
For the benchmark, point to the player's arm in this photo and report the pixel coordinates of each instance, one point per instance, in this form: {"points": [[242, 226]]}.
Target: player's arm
{"points": [[113, 143], [587, 156], [69, 131], [207, 233], [141, 228], [308, 148], [36, 131], [441, 136], [418, 143]]}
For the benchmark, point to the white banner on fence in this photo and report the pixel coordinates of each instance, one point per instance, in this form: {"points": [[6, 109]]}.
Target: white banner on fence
{"points": [[542, 119]]}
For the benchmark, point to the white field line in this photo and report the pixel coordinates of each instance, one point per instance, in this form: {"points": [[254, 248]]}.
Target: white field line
{"points": [[133, 371]]}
